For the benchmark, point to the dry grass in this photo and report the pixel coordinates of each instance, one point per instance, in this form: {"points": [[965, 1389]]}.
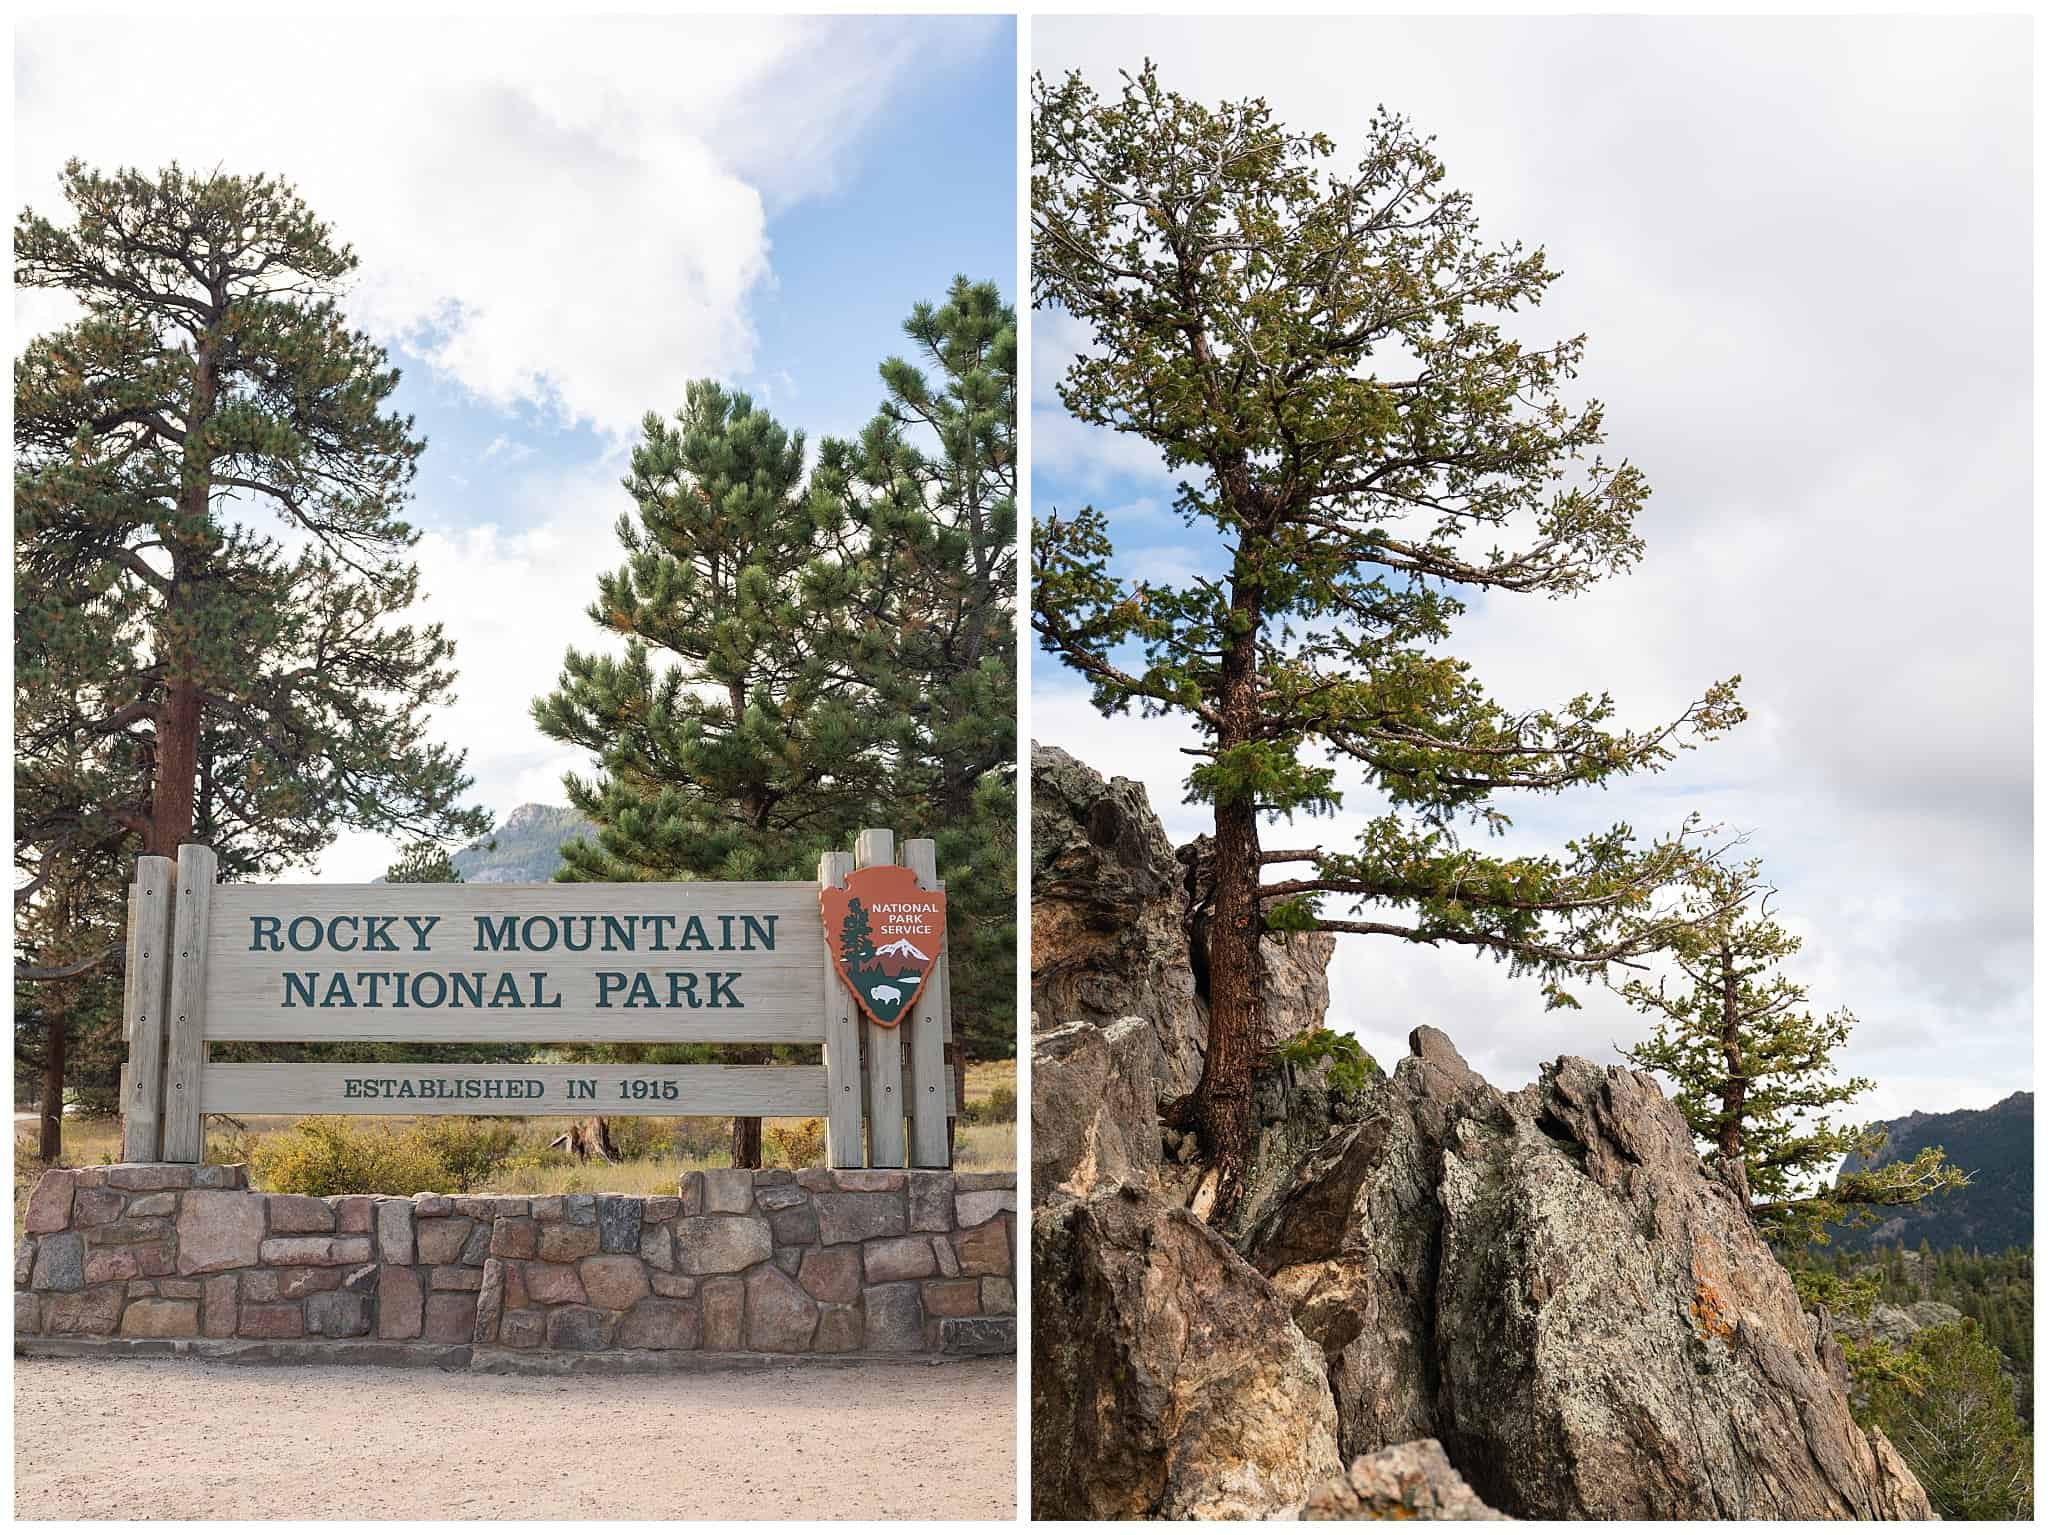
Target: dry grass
{"points": [[93, 1142]]}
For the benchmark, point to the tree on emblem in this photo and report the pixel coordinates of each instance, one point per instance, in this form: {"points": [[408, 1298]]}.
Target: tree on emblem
{"points": [[856, 941]]}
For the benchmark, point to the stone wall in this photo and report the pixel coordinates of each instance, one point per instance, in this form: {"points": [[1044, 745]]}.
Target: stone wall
{"points": [[736, 1262]]}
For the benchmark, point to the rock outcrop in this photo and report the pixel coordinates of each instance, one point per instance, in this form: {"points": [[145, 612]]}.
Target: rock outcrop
{"points": [[1095, 1114], [1167, 1378], [1116, 923], [1547, 1283], [1407, 1481]]}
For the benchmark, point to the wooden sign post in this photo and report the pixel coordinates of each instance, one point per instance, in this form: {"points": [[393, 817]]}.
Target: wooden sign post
{"points": [[695, 961]]}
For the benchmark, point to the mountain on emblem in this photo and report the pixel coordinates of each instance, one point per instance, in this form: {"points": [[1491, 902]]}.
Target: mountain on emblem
{"points": [[883, 929]]}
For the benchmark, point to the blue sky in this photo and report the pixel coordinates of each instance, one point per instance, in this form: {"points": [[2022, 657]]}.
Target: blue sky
{"points": [[560, 223], [1824, 405]]}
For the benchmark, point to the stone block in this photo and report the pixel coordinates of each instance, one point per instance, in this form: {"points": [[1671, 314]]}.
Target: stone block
{"points": [[888, 1258], [816, 1179], [146, 1176], [858, 1216], [690, 1194], [548, 1207], [978, 1335], [672, 1286], [561, 1242], [970, 1183], [839, 1330], [796, 1226], [514, 1280], [218, 1229], [831, 1274], [94, 1311], [665, 1207], [583, 1329], [297, 1250], [450, 1317], [895, 1318], [160, 1319], [28, 1314], [397, 1241], [618, 1223], [95, 1207], [50, 1202], [231, 1175], [787, 1258], [724, 1304], [975, 1209], [931, 1201], [400, 1303], [523, 1329], [60, 1262], [654, 1323], [428, 1207], [338, 1314], [515, 1238], [490, 1302], [298, 1283], [871, 1180], [780, 1317], [455, 1276], [728, 1191], [123, 1233], [721, 1244], [949, 1262], [613, 1281], [282, 1320], [175, 1289], [553, 1284], [658, 1247], [362, 1279], [24, 1261], [998, 1296], [353, 1213], [299, 1214], [985, 1249], [780, 1196], [478, 1247], [163, 1202], [952, 1297], [580, 1209], [441, 1241], [113, 1263], [217, 1306]]}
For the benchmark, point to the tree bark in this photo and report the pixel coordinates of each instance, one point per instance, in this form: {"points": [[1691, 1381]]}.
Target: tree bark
{"points": [[177, 769], [51, 1145], [1223, 1098], [746, 1142]]}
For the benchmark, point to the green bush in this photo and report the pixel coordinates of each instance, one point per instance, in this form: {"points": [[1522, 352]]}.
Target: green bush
{"points": [[329, 1156], [470, 1147], [998, 1108], [644, 1140]]}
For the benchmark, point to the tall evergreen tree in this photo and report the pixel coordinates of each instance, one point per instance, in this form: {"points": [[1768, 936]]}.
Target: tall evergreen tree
{"points": [[1755, 1076], [211, 390], [755, 748], [927, 501], [1322, 353]]}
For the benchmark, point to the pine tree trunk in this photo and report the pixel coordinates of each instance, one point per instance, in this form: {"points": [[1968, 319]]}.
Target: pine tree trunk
{"points": [[746, 1142], [1735, 1086], [51, 1145], [1223, 1098], [177, 769]]}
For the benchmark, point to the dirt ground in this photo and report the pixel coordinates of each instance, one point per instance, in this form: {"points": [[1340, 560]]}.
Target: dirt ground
{"points": [[247, 1441]]}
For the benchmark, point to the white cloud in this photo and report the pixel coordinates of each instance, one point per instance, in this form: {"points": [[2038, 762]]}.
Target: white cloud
{"points": [[566, 213]]}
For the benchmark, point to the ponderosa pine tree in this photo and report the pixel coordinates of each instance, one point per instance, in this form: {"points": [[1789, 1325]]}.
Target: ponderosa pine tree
{"points": [[209, 386], [926, 499], [1322, 353], [1754, 1071], [755, 748]]}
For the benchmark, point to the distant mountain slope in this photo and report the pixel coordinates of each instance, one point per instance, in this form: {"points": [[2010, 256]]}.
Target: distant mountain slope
{"points": [[528, 847], [1996, 1147]]}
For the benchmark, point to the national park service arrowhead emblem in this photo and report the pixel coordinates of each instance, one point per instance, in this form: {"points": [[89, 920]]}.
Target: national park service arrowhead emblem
{"points": [[884, 930]]}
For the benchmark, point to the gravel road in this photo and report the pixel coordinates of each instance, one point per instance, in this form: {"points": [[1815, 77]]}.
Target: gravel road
{"points": [[187, 1439]]}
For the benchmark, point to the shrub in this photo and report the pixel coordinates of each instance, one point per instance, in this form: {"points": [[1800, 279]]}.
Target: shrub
{"points": [[329, 1156], [998, 1108], [643, 1140], [470, 1147], [701, 1140], [794, 1143]]}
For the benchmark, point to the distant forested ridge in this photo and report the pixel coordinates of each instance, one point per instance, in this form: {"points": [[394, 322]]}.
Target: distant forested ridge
{"points": [[1995, 1146]]}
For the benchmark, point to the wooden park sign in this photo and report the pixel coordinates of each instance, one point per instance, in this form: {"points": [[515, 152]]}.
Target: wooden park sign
{"points": [[685, 962]]}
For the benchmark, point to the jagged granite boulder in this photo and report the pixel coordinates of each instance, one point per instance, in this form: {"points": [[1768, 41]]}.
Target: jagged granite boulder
{"points": [[1167, 1379], [1404, 1481], [1116, 923], [1095, 1098], [1548, 1283]]}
